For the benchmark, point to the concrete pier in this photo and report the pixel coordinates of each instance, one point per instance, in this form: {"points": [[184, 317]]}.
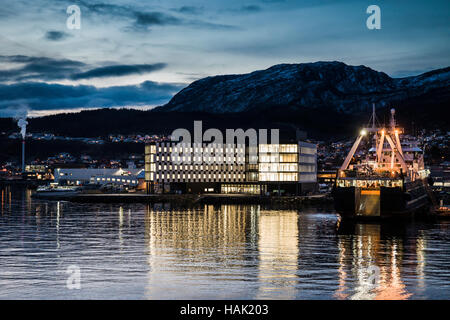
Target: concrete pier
{"points": [[185, 199]]}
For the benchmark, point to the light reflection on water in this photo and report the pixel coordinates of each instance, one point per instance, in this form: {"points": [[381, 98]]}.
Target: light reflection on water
{"points": [[212, 252]]}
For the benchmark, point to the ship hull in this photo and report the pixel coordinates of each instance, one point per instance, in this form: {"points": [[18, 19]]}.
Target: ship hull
{"points": [[385, 203]]}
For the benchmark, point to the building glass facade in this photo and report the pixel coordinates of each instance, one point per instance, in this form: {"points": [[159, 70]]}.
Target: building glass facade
{"points": [[230, 169]]}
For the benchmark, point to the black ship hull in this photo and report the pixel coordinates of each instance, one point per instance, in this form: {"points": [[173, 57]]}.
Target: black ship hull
{"points": [[384, 203]]}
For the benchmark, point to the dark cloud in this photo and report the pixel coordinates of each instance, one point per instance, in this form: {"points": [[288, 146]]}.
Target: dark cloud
{"points": [[44, 96], [39, 60], [155, 18], [119, 70], [105, 8], [243, 10], [56, 35], [43, 68], [212, 26], [189, 10], [250, 9], [142, 20], [145, 20]]}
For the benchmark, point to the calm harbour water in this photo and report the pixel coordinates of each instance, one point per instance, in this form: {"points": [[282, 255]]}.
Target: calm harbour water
{"points": [[139, 251]]}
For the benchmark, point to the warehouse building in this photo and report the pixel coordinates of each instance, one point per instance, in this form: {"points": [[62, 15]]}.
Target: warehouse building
{"points": [[84, 176]]}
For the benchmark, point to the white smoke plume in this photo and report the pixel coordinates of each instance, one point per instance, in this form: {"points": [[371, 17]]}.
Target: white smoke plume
{"points": [[21, 114], [22, 123]]}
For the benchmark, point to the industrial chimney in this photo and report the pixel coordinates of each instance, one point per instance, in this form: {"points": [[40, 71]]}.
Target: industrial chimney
{"points": [[23, 155], [22, 123]]}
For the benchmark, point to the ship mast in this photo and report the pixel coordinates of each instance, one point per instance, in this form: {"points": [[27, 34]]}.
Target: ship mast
{"points": [[386, 157], [375, 135], [391, 134], [373, 116], [362, 133]]}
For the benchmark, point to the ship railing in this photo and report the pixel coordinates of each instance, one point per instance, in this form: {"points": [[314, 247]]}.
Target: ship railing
{"points": [[369, 183], [349, 174]]}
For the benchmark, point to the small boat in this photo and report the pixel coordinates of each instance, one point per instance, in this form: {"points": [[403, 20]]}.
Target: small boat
{"points": [[53, 187], [441, 212], [383, 176]]}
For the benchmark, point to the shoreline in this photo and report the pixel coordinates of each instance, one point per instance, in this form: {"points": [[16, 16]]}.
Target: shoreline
{"points": [[184, 199]]}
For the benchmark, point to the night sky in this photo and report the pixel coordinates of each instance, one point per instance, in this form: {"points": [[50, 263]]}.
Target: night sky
{"points": [[140, 53]]}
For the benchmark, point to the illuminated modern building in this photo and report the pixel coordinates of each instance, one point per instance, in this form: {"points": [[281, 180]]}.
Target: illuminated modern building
{"points": [[272, 168]]}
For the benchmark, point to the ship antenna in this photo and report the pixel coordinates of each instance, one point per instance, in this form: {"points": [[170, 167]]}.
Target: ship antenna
{"points": [[373, 119], [393, 118], [373, 116]]}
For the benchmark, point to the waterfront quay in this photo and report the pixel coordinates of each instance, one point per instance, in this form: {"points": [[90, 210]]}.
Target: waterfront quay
{"points": [[183, 199]]}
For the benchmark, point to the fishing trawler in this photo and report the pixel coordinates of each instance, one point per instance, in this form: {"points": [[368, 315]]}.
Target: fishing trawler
{"points": [[383, 176]]}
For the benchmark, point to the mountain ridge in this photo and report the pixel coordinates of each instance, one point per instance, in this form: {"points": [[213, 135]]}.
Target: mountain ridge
{"points": [[321, 84]]}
